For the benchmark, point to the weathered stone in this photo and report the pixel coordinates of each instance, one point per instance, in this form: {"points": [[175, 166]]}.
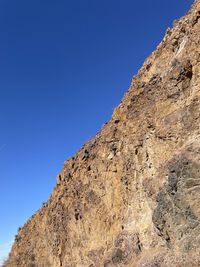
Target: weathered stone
{"points": [[130, 196]]}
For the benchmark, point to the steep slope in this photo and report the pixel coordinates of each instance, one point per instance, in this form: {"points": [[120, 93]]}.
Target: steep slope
{"points": [[130, 196]]}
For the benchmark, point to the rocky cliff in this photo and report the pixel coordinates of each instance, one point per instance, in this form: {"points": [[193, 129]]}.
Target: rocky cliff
{"points": [[130, 196]]}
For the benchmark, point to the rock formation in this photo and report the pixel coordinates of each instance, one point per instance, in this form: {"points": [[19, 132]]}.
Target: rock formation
{"points": [[130, 196]]}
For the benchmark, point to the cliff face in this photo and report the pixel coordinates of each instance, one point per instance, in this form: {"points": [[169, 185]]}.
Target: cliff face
{"points": [[130, 197]]}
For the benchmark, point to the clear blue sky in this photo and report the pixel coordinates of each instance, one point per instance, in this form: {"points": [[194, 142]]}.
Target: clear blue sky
{"points": [[64, 66]]}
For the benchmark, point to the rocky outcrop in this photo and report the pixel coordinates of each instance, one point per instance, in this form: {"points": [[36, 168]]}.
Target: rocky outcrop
{"points": [[130, 196]]}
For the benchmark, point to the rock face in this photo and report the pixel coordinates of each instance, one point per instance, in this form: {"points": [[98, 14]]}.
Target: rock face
{"points": [[130, 196]]}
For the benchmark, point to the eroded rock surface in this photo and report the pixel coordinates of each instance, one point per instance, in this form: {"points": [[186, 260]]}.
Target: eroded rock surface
{"points": [[130, 196]]}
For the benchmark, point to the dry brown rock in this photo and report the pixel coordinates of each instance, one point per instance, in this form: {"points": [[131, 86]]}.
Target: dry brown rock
{"points": [[130, 196]]}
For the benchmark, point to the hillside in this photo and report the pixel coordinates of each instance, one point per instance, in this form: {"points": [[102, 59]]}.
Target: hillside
{"points": [[130, 196]]}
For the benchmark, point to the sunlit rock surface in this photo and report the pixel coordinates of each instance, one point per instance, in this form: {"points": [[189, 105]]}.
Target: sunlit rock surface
{"points": [[131, 196]]}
